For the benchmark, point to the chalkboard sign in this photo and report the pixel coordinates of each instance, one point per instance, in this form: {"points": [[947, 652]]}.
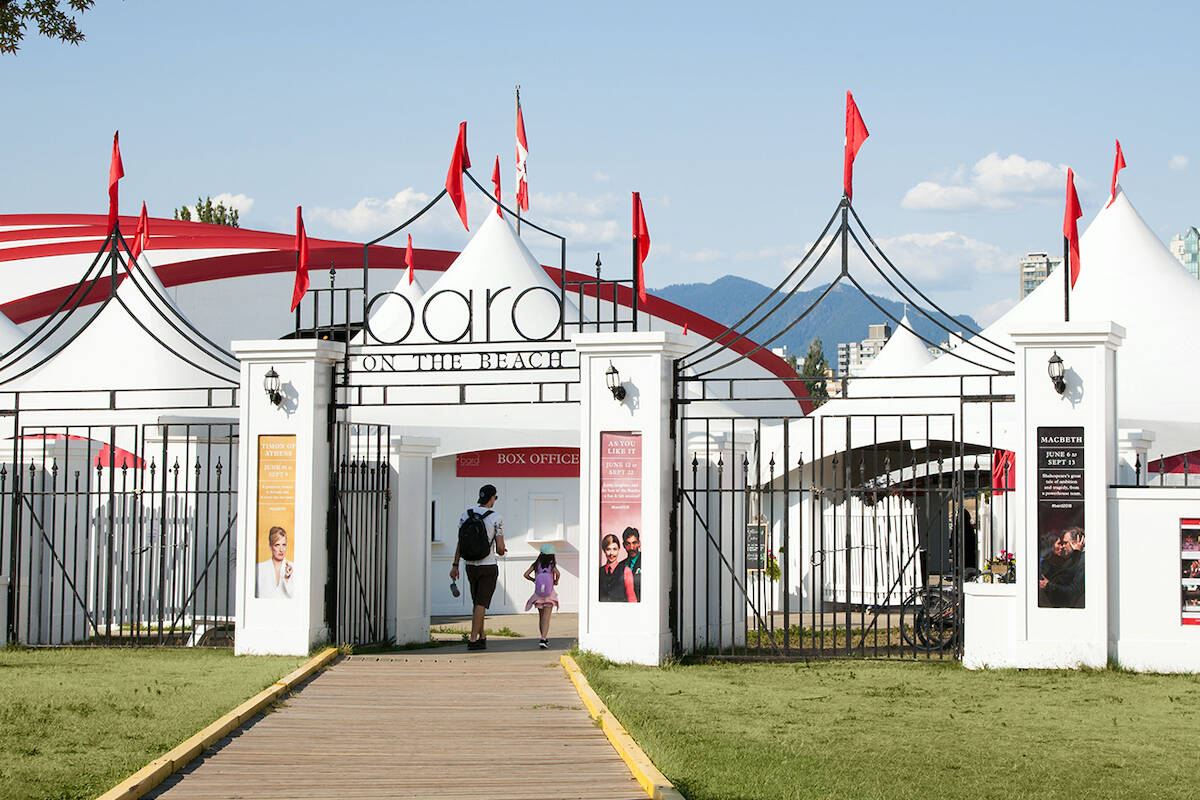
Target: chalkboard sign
{"points": [[756, 540]]}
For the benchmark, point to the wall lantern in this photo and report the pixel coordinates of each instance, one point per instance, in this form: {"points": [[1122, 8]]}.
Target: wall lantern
{"points": [[613, 378], [271, 385], [1055, 369]]}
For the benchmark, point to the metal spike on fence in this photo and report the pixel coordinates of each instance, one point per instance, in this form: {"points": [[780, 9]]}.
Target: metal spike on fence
{"points": [[1162, 468], [219, 468], [197, 467], [695, 462], [54, 468], [175, 469], [1137, 469]]}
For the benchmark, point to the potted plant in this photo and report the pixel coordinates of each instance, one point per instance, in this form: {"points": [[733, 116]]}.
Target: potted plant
{"points": [[1003, 568]]}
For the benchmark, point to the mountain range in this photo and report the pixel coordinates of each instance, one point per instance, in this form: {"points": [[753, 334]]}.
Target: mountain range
{"points": [[843, 316]]}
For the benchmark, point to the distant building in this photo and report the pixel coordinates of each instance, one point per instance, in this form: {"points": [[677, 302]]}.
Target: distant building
{"points": [[953, 340], [853, 357], [833, 384], [1186, 248], [1035, 268]]}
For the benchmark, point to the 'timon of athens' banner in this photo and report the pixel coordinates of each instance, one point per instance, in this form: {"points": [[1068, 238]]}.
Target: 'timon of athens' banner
{"points": [[520, 462]]}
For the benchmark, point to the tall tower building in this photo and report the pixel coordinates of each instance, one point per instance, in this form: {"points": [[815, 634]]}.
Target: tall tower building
{"points": [[1186, 248], [1035, 268]]}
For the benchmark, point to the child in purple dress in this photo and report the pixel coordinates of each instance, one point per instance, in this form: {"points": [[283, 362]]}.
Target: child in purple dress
{"points": [[544, 574]]}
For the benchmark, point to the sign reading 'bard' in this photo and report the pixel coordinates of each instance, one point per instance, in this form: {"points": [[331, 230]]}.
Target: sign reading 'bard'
{"points": [[1060, 517]]}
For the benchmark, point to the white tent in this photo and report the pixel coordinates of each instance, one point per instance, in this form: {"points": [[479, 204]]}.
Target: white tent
{"points": [[391, 320], [495, 257], [138, 339]]}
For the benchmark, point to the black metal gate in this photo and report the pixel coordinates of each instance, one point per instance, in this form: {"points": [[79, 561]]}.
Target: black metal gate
{"points": [[121, 534], [359, 597], [844, 530]]}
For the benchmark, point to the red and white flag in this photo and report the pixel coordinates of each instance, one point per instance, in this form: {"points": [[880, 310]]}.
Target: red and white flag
{"points": [[408, 259], [116, 171], [856, 134], [1118, 165], [522, 154], [459, 162], [641, 245], [141, 236], [496, 183], [301, 285], [1070, 226]]}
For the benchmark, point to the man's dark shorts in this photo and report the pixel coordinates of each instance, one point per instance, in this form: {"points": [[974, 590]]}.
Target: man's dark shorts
{"points": [[482, 580]]}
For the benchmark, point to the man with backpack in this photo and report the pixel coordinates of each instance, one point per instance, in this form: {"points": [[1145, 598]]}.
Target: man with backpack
{"points": [[480, 541]]}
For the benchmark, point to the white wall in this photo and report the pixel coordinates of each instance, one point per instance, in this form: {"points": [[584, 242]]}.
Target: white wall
{"points": [[1144, 588], [525, 504]]}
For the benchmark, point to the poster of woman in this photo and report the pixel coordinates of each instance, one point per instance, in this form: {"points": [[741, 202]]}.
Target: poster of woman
{"points": [[276, 573], [619, 579]]}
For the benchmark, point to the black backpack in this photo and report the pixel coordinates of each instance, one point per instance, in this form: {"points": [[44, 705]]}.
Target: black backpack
{"points": [[473, 541]]}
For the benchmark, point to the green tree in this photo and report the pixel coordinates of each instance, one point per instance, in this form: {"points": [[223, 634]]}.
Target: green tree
{"points": [[813, 371], [205, 211], [52, 21]]}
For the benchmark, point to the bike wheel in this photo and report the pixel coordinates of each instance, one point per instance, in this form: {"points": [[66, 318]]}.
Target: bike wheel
{"points": [[909, 611], [936, 624]]}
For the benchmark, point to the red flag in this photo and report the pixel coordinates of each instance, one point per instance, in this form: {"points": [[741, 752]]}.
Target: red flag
{"points": [[496, 182], [522, 154], [116, 171], [685, 329], [301, 262], [1118, 165], [641, 245], [1004, 471], [459, 162], [1070, 228], [141, 236], [408, 259], [856, 134]]}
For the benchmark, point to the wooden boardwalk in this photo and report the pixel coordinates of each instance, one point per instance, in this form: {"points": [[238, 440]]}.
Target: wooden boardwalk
{"points": [[503, 723]]}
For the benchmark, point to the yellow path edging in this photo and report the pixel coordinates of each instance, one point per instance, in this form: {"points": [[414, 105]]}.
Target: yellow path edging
{"points": [[644, 772], [178, 757]]}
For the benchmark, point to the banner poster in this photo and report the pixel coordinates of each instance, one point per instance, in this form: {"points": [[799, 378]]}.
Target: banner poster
{"points": [[519, 462], [1060, 517], [276, 573], [620, 578], [1189, 570]]}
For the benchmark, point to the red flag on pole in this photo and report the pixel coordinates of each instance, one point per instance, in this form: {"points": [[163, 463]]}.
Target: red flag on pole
{"points": [[459, 162], [301, 262], [141, 236], [496, 182], [1118, 165], [522, 154], [408, 259], [116, 171], [641, 245], [856, 134], [1070, 228]]}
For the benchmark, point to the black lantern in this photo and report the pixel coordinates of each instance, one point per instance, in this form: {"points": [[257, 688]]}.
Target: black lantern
{"points": [[1055, 369], [271, 385], [613, 378]]}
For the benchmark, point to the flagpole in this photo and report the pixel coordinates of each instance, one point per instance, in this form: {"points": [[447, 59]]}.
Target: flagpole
{"points": [[1066, 279], [518, 203]]}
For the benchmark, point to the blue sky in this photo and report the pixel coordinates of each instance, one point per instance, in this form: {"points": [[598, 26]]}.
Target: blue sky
{"points": [[728, 118]]}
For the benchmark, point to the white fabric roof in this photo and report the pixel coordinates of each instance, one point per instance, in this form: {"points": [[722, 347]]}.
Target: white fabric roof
{"points": [[391, 318], [498, 260], [139, 340]]}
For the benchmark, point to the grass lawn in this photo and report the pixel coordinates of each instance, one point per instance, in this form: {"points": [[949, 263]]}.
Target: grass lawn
{"points": [[876, 729], [74, 722]]}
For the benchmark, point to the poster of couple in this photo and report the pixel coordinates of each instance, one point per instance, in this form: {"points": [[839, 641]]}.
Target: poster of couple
{"points": [[620, 576]]}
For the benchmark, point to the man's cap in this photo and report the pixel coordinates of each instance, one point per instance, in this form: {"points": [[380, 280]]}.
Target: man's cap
{"points": [[486, 492]]}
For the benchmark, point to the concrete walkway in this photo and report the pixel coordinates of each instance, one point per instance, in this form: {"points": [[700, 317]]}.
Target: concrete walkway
{"points": [[441, 723]]}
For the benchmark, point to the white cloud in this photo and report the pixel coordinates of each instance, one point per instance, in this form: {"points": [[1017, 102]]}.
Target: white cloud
{"points": [[372, 215], [1178, 163], [583, 219], [992, 184], [987, 314], [602, 177]]}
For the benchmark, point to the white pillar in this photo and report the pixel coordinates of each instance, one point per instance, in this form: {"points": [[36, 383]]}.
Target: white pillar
{"points": [[291, 625], [1067, 637], [412, 495], [627, 632], [1133, 448]]}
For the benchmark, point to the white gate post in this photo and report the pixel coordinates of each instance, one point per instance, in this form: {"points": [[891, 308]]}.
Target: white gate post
{"points": [[285, 625], [1055, 637], [637, 632], [409, 604]]}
